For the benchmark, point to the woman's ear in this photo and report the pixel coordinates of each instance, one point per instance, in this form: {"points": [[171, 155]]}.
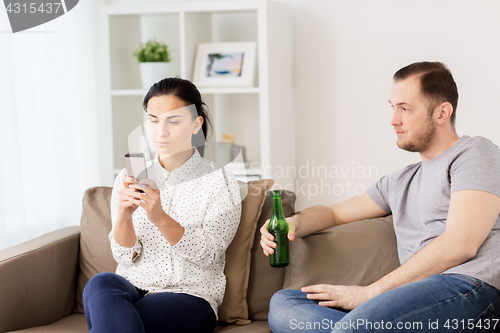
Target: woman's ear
{"points": [[197, 124]]}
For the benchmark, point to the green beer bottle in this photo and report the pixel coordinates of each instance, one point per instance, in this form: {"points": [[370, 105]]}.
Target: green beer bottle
{"points": [[278, 227]]}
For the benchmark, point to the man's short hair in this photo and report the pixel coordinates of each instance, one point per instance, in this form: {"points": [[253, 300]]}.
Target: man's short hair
{"points": [[436, 83]]}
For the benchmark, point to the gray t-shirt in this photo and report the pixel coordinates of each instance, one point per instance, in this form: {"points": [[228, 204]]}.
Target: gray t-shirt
{"points": [[418, 197]]}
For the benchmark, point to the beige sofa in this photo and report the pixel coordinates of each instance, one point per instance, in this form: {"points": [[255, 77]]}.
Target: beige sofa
{"points": [[41, 281]]}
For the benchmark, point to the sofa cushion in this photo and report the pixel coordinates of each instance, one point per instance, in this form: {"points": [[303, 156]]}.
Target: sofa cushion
{"points": [[260, 326], [72, 324], [264, 279], [357, 253], [95, 249], [234, 307]]}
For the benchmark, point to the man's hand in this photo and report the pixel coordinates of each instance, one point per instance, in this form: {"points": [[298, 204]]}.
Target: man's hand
{"points": [[267, 240], [345, 297]]}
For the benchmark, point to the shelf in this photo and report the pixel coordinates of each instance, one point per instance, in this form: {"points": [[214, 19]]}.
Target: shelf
{"points": [[234, 90], [210, 6], [243, 169], [259, 116], [231, 90]]}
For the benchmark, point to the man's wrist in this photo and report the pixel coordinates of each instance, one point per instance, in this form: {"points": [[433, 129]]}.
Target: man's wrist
{"points": [[295, 220], [295, 217], [377, 288]]}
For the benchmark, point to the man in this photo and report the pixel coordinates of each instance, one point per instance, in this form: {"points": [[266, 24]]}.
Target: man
{"points": [[446, 218]]}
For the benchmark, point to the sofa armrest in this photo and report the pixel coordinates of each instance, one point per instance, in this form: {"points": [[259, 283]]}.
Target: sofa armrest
{"points": [[38, 279]]}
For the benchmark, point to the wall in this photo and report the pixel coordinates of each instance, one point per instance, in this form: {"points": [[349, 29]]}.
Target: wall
{"points": [[343, 78], [345, 53]]}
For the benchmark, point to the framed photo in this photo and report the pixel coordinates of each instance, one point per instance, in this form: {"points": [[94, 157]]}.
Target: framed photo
{"points": [[225, 64]]}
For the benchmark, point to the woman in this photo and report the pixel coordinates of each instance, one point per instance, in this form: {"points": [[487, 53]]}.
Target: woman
{"points": [[169, 241]]}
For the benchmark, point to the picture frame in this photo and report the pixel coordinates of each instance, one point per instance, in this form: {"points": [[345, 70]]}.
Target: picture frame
{"points": [[225, 64]]}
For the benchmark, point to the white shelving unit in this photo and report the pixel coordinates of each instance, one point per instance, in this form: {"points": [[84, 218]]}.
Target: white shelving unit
{"points": [[261, 117]]}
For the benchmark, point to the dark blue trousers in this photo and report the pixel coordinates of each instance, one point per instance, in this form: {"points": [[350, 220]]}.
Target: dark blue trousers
{"points": [[112, 304]]}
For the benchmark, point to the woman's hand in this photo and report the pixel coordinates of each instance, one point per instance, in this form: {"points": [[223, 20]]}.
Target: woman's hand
{"points": [[267, 240], [150, 200], [126, 205]]}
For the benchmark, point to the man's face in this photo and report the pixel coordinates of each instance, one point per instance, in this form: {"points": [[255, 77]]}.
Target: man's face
{"points": [[414, 127]]}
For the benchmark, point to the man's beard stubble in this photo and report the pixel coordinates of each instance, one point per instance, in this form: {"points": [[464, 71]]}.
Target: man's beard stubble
{"points": [[423, 139]]}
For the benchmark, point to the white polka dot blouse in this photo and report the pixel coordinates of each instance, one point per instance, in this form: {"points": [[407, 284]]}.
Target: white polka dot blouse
{"points": [[205, 200]]}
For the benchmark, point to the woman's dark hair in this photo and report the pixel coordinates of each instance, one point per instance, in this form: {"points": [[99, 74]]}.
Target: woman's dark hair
{"points": [[187, 92]]}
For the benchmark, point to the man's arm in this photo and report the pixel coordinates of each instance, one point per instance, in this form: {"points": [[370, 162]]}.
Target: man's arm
{"points": [[471, 216], [318, 218]]}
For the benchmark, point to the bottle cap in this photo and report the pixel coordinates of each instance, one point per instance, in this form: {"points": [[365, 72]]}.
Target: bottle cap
{"points": [[276, 193]]}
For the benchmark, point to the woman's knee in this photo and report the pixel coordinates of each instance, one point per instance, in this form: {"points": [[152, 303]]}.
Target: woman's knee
{"points": [[101, 282]]}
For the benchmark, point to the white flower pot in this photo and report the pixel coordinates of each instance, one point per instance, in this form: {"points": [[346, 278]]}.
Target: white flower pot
{"points": [[152, 72]]}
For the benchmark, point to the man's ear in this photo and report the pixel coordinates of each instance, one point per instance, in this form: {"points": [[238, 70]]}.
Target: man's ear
{"points": [[445, 111], [197, 124]]}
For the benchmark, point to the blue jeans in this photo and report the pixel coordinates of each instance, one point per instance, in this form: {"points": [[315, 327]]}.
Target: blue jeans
{"points": [[112, 304], [439, 303]]}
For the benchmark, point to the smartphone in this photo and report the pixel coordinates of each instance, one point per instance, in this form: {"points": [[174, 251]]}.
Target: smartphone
{"points": [[136, 166]]}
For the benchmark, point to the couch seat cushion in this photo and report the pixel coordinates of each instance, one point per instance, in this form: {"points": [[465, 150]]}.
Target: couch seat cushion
{"points": [[73, 324], [260, 326]]}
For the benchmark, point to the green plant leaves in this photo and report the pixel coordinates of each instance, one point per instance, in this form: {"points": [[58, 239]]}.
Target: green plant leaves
{"points": [[153, 51]]}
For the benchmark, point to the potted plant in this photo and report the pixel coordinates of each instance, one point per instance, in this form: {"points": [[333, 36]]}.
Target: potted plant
{"points": [[153, 57]]}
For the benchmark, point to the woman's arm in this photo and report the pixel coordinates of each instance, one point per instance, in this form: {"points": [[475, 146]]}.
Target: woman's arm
{"points": [[150, 200], [124, 234], [124, 243], [171, 230]]}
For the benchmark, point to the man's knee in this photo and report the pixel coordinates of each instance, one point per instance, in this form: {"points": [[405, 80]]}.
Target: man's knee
{"points": [[279, 314], [284, 298]]}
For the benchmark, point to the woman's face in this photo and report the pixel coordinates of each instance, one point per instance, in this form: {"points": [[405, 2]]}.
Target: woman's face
{"points": [[171, 124]]}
